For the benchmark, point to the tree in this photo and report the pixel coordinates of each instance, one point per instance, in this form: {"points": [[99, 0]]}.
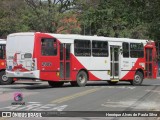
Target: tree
{"points": [[36, 15], [10, 17], [47, 16], [114, 18], [125, 18]]}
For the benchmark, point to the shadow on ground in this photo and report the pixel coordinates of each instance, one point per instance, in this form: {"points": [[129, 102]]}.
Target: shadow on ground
{"points": [[33, 85]]}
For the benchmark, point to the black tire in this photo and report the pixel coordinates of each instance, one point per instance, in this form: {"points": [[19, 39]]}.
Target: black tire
{"points": [[112, 83], [81, 79], [55, 84], [138, 79], [4, 80], [74, 83], [13, 81]]}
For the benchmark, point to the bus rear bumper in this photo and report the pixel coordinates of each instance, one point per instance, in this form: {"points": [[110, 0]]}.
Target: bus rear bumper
{"points": [[28, 74]]}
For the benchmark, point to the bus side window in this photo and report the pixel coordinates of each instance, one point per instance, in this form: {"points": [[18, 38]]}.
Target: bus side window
{"points": [[125, 46], [136, 50], [82, 47], [1, 52], [99, 48]]}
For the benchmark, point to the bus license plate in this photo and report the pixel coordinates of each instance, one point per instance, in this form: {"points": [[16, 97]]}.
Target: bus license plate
{"points": [[18, 74]]}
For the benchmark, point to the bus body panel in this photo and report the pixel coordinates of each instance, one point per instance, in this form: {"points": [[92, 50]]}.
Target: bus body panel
{"points": [[3, 78], [78, 66], [19, 53], [135, 65], [97, 66], [49, 67]]}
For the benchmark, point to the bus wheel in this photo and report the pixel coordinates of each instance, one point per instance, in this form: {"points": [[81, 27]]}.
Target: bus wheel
{"points": [[82, 79], [138, 79], [55, 84], [4, 80], [112, 83]]}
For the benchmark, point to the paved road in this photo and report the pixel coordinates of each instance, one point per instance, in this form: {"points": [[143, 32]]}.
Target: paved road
{"points": [[96, 96]]}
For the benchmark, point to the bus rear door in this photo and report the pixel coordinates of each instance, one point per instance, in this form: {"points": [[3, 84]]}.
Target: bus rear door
{"points": [[65, 69], [114, 62]]}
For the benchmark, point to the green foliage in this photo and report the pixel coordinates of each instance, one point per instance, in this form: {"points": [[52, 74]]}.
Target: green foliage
{"points": [[114, 18], [10, 17], [33, 15], [122, 18]]}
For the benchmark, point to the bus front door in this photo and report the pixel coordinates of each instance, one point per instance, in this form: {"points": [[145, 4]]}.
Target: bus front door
{"points": [[114, 62], [65, 61], [149, 63]]}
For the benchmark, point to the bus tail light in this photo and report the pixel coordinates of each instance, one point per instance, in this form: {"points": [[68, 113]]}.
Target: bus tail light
{"points": [[109, 72], [33, 66]]}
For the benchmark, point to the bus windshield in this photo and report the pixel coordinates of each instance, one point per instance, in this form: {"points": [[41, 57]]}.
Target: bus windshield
{"points": [[48, 47]]}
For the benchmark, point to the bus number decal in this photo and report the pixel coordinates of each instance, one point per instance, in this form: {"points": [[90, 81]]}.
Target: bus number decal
{"points": [[46, 64]]}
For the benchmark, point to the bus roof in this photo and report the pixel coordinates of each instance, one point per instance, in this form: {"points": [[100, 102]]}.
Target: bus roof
{"points": [[21, 34], [84, 37], [76, 36]]}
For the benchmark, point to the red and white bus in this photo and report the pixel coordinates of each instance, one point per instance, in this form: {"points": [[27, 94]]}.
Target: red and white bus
{"points": [[3, 77], [59, 58]]}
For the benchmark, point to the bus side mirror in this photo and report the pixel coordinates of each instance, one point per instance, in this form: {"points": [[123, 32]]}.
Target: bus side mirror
{"points": [[121, 51], [157, 58]]}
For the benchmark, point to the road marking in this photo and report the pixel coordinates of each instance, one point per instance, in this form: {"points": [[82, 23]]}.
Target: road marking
{"points": [[67, 98], [114, 87], [36, 107], [33, 102]]}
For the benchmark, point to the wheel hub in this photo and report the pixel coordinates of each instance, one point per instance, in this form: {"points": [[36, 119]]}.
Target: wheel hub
{"points": [[4, 78], [81, 78], [137, 78]]}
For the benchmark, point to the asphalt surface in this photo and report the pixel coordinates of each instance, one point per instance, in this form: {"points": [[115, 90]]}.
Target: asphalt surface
{"points": [[96, 96]]}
